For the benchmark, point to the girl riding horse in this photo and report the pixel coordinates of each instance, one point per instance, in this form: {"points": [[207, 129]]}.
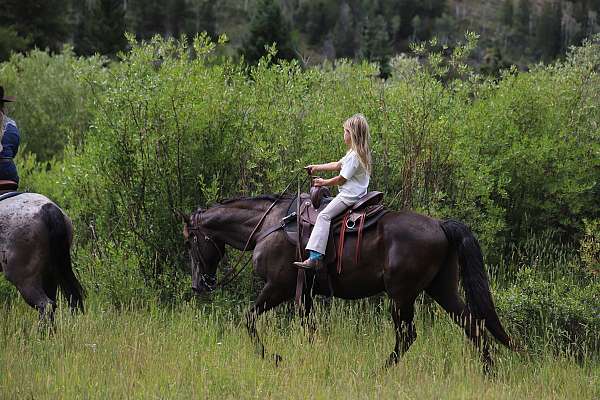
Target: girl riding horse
{"points": [[353, 181]]}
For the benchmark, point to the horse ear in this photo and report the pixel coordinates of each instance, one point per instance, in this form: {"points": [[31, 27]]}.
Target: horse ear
{"points": [[184, 217]]}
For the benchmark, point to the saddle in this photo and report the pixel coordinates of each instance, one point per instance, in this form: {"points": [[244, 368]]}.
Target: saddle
{"points": [[8, 186], [362, 215]]}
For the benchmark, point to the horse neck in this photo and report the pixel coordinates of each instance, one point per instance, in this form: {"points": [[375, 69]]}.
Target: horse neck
{"points": [[234, 222]]}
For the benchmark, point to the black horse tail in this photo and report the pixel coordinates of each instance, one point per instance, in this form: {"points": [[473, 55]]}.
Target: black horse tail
{"points": [[60, 255], [474, 279]]}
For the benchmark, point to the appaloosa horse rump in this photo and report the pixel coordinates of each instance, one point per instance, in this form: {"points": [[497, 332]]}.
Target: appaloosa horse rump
{"points": [[35, 245]]}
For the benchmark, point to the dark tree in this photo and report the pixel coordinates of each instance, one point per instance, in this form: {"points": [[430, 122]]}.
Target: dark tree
{"points": [[522, 18], [507, 12], [268, 26], [205, 18], [101, 28], [148, 17], [178, 15], [344, 34], [317, 19], [375, 44], [402, 15], [548, 36], [493, 62], [11, 42], [45, 24]]}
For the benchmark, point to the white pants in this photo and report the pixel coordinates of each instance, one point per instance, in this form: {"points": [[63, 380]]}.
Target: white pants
{"points": [[320, 233]]}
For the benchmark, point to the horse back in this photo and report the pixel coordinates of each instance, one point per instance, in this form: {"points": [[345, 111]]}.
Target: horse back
{"points": [[401, 243]]}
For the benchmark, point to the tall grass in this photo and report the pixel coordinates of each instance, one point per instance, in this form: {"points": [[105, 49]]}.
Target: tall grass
{"points": [[201, 351]]}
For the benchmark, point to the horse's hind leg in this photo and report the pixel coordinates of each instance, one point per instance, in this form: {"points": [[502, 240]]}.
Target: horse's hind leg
{"points": [[34, 294], [445, 293], [37, 289], [269, 297]]}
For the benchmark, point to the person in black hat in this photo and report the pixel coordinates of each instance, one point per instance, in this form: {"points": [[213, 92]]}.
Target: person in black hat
{"points": [[9, 142]]}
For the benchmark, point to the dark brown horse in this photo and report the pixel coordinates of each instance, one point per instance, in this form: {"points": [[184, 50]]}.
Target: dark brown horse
{"points": [[35, 253], [404, 254]]}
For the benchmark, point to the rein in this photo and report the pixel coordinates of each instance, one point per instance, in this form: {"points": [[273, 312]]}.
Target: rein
{"points": [[234, 272]]}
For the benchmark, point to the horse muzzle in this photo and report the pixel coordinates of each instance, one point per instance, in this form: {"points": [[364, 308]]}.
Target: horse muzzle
{"points": [[205, 284]]}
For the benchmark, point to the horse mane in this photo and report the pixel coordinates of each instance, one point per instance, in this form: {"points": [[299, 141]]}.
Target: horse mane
{"points": [[268, 197]]}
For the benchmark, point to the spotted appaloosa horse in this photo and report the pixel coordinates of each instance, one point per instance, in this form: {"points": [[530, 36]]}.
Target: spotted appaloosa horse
{"points": [[404, 254], [35, 245]]}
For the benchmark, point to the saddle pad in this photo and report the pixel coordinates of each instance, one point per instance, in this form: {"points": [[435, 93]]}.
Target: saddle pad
{"points": [[4, 196]]}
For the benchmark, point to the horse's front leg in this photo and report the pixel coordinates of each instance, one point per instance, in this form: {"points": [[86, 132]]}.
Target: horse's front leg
{"points": [[270, 296], [306, 305]]}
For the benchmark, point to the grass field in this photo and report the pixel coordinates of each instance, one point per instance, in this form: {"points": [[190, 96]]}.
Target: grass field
{"points": [[201, 351]]}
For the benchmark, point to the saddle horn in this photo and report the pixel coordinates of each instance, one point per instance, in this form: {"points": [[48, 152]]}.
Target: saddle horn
{"points": [[317, 194]]}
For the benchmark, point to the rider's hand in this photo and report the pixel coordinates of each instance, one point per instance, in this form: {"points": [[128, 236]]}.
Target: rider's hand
{"points": [[310, 169], [318, 182]]}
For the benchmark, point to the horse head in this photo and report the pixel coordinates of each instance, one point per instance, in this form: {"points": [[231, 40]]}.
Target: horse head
{"points": [[205, 251]]}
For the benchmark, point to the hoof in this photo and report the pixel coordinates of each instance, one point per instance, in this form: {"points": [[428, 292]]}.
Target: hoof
{"points": [[488, 370], [277, 358], [392, 360]]}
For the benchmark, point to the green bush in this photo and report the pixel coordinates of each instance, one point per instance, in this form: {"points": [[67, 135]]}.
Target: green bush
{"points": [[532, 141], [53, 108], [589, 249], [174, 125], [559, 314]]}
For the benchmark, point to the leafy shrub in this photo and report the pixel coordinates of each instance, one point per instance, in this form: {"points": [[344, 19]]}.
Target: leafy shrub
{"points": [[530, 143], [53, 107], [589, 249], [560, 314], [175, 125]]}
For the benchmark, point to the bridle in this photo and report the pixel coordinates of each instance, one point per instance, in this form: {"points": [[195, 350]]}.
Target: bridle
{"points": [[210, 282], [207, 280]]}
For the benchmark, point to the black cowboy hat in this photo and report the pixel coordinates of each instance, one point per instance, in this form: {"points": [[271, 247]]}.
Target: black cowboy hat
{"points": [[5, 99]]}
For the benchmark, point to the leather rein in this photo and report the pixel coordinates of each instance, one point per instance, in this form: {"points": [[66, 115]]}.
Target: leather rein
{"points": [[210, 282]]}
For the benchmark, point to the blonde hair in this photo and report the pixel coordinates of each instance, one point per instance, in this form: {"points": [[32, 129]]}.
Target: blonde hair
{"points": [[360, 139]]}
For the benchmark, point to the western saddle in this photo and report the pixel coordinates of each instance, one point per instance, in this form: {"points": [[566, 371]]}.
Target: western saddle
{"points": [[304, 211], [8, 186], [363, 214]]}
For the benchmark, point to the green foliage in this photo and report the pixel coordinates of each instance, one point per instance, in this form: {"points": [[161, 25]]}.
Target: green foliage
{"points": [[589, 249], [44, 24], [556, 315], [531, 127], [10, 42], [267, 27], [176, 126], [101, 28], [52, 108]]}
